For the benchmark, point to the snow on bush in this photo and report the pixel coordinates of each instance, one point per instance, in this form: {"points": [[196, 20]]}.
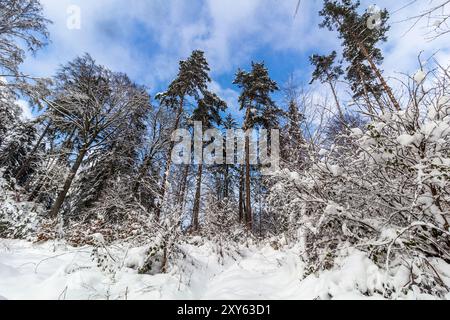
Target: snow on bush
{"points": [[18, 219], [385, 192]]}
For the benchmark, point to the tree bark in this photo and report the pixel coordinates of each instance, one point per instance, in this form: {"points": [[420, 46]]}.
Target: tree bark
{"points": [[249, 218], [374, 68], [67, 184], [380, 76], [183, 185], [241, 195], [198, 192], [338, 105], [226, 191]]}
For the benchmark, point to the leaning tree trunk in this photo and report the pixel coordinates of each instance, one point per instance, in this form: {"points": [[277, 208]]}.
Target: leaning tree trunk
{"points": [[67, 184], [375, 69], [183, 185], [198, 193], [380, 77], [338, 105]]}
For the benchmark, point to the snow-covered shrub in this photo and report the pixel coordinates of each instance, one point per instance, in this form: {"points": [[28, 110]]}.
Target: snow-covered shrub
{"points": [[222, 227], [156, 258], [18, 219], [386, 191], [221, 219], [15, 150], [164, 244]]}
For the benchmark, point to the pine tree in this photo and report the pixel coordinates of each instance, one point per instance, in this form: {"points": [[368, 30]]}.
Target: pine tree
{"points": [[208, 113], [293, 144], [360, 46], [260, 109], [228, 124], [326, 71], [192, 81]]}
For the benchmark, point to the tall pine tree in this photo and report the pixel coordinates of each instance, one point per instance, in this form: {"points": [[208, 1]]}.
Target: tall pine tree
{"points": [[256, 88], [360, 47], [192, 81], [208, 113]]}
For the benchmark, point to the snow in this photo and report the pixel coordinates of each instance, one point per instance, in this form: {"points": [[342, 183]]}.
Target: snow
{"points": [[437, 23], [419, 76], [98, 238], [294, 176], [406, 139], [56, 271], [356, 132], [443, 101], [373, 9], [46, 271], [336, 170]]}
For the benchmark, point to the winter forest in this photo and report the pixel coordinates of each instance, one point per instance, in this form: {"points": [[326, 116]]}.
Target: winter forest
{"points": [[111, 190]]}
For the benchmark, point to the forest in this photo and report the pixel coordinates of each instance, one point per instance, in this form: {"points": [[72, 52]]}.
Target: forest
{"points": [[354, 201]]}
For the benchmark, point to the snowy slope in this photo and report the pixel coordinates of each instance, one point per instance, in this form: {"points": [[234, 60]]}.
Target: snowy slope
{"points": [[54, 271]]}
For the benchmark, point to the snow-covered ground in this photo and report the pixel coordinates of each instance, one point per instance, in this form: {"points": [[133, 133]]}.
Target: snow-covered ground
{"points": [[57, 271]]}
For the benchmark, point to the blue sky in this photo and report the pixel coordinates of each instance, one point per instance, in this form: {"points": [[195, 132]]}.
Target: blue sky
{"points": [[147, 38]]}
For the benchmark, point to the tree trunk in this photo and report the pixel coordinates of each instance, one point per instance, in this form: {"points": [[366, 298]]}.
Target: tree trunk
{"points": [[164, 260], [62, 195], [183, 185], [241, 195], [379, 75], [249, 218], [226, 191], [198, 192], [338, 105], [366, 96], [374, 68]]}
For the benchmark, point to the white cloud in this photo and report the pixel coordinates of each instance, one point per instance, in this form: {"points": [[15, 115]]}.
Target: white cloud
{"points": [[403, 46], [229, 31]]}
